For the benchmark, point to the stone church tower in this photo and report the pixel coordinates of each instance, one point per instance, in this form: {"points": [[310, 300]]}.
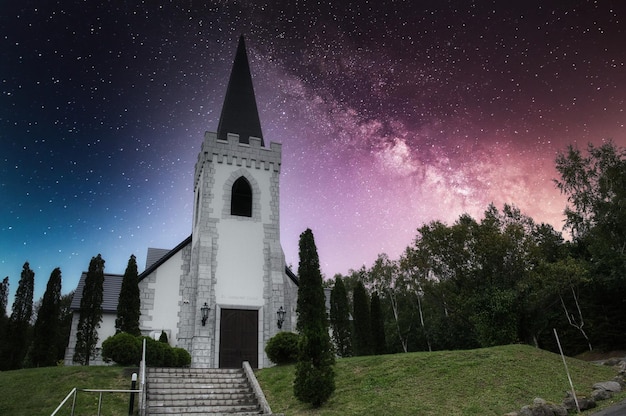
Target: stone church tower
{"points": [[237, 265], [219, 292]]}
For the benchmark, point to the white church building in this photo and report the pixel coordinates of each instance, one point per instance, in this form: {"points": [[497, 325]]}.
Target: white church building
{"points": [[217, 294]]}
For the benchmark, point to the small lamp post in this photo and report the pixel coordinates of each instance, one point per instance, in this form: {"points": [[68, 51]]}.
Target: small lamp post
{"points": [[281, 317], [205, 313]]}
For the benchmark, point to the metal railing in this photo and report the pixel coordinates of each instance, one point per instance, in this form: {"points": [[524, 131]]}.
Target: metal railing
{"points": [[141, 390], [75, 391]]}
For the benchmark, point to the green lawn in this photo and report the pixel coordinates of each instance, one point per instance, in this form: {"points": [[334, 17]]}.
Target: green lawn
{"points": [[491, 381], [38, 391]]}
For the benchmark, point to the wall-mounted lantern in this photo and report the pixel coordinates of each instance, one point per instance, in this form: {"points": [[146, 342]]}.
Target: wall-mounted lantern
{"points": [[205, 313], [281, 317]]}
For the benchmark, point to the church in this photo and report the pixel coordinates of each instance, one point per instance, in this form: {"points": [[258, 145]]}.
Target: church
{"points": [[223, 292]]}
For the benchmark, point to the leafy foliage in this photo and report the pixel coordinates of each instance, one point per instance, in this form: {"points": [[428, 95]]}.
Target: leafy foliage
{"points": [[122, 348], [125, 349], [315, 378], [46, 334], [129, 304], [282, 348], [595, 185], [90, 312], [340, 319]]}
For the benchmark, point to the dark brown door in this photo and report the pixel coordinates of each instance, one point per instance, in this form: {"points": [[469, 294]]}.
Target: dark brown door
{"points": [[238, 338]]}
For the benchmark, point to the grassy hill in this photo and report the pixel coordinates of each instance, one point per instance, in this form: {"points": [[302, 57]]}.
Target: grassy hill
{"points": [[490, 381], [38, 391]]}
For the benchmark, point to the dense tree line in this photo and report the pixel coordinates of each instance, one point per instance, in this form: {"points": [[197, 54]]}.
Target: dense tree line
{"points": [[35, 334], [504, 278]]}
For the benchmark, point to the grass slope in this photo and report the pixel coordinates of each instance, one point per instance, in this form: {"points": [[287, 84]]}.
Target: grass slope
{"points": [[490, 381], [38, 391]]}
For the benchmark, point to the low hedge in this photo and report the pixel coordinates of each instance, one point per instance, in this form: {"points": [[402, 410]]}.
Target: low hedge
{"points": [[125, 349]]}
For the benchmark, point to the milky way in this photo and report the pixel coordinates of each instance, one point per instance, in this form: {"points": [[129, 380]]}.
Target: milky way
{"points": [[391, 114]]}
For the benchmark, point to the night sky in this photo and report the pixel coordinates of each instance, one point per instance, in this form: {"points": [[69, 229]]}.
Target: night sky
{"points": [[391, 114]]}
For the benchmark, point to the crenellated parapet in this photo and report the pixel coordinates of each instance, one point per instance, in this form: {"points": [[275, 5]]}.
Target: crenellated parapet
{"points": [[252, 155]]}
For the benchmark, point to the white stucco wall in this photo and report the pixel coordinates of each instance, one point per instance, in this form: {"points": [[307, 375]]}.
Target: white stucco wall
{"points": [[240, 264], [165, 287], [107, 327]]}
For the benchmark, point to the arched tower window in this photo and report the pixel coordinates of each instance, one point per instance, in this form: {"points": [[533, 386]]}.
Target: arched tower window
{"points": [[241, 198]]}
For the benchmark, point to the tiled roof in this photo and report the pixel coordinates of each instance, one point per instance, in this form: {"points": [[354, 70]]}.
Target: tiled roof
{"points": [[110, 292], [167, 254], [154, 255]]}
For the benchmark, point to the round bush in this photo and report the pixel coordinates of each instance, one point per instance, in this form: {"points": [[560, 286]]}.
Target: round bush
{"points": [[282, 348], [183, 358], [123, 348]]}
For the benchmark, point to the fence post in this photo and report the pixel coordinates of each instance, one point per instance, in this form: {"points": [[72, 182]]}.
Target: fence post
{"points": [[133, 384]]}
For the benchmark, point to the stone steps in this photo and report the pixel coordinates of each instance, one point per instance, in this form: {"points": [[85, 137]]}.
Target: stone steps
{"points": [[200, 392]]}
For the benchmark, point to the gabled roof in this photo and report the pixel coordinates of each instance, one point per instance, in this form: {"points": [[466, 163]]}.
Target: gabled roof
{"points": [[112, 284], [239, 112], [111, 288], [292, 276], [164, 258], [155, 254]]}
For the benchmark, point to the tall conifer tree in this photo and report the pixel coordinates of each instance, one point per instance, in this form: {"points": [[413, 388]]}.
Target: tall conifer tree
{"points": [[315, 377], [4, 319], [19, 323], [4, 297], [128, 305], [362, 324], [378, 325], [90, 312], [340, 319], [46, 332]]}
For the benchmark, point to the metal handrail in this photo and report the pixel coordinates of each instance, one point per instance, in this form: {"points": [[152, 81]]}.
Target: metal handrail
{"points": [[141, 390], [73, 392]]}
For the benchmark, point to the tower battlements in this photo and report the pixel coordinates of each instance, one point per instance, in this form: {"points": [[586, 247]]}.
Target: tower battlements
{"points": [[252, 155]]}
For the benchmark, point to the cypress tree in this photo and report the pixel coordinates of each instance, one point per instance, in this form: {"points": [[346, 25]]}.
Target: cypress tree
{"points": [[65, 323], [128, 305], [362, 325], [90, 312], [43, 352], [315, 378], [19, 323], [340, 319], [4, 297], [4, 319], [378, 326]]}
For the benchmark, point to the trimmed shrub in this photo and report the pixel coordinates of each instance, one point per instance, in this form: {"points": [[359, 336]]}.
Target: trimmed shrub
{"points": [[122, 348], [125, 349], [282, 348], [183, 358]]}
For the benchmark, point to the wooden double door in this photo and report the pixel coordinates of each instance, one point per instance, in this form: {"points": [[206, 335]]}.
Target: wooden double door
{"points": [[239, 334]]}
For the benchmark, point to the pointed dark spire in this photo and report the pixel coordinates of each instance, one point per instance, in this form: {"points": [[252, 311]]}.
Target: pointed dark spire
{"points": [[239, 113]]}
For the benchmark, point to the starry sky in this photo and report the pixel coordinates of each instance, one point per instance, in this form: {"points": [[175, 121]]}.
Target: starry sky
{"points": [[391, 114]]}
